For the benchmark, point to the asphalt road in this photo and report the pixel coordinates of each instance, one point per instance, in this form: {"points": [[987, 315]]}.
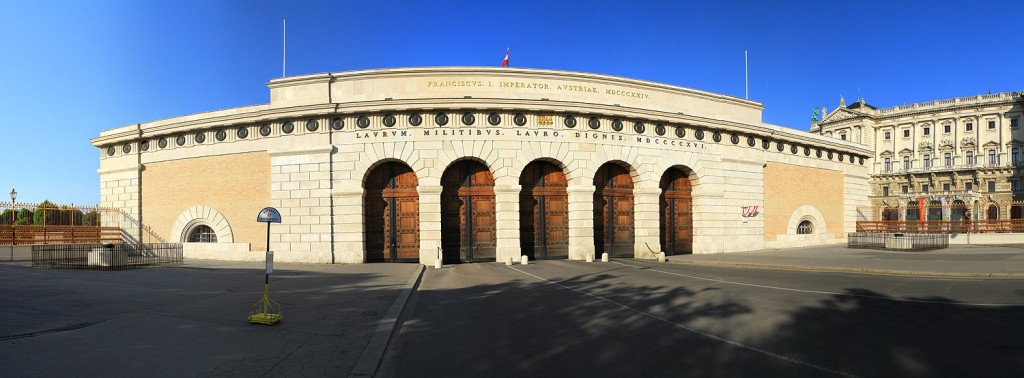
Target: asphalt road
{"points": [[635, 318]]}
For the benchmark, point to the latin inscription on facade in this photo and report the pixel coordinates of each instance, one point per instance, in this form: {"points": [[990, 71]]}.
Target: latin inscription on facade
{"points": [[566, 87], [549, 135]]}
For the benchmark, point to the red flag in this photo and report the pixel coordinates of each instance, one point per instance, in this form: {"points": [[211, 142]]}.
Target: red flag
{"points": [[504, 63]]}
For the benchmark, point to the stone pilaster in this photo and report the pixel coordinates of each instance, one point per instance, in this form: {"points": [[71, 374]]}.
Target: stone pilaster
{"points": [[581, 221], [430, 223], [507, 208], [645, 221]]}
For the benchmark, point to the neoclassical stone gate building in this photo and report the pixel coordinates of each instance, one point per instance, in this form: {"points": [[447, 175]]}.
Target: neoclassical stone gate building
{"points": [[481, 164]]}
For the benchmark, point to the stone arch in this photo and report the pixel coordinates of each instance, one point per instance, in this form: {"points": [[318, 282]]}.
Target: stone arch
{"points": [[205, 215], [806, 213]]}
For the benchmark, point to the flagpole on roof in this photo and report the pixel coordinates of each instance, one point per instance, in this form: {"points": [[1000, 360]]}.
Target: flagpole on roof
{"points": [[746, 77], [284, 45]]}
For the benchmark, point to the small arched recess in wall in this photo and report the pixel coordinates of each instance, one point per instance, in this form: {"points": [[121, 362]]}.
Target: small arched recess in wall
{"points": [[806, 213], [201, 215]]}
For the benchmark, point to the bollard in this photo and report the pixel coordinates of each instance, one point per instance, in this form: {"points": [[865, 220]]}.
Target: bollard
{"points": [[604, 257], [525, 259], [590, 257], [508, 261], [437, 264], [661, 256]]}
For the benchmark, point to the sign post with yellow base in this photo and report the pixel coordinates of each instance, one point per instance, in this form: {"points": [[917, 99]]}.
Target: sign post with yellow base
{"points": [[267, 311]]}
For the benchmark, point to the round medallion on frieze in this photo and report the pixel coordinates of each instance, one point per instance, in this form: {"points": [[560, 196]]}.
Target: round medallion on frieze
{"points": [[494, 119], [200, 137], [716, 136], [735, 139], [680, 131], [111, 150], [288, 127], [817, 153], [861, 161], [144, 146], [519, 119], [840, 157], [242, 133], [312, 125], [594, 123], [180, 140], [468, 119], [765, 143], [780, 146], [569, 121], [441, 119], [220, 135], [699, 134], [659, 129], [162, 143], [750, 141], [415, 119], [126, 148], [389, 120], [337, 123], [265, 129], [638, 127], [829, 155], [363, 121], [617, 125], [793, 148]]}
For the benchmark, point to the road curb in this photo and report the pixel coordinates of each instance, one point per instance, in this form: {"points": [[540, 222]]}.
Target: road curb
{"points": [[369, 361], [888, 272]]}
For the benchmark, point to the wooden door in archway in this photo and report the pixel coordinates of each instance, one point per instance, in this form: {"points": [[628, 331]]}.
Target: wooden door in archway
{"points": [[676, 213], [543, 212], [468, 226], [392, 214], [613, 211]]}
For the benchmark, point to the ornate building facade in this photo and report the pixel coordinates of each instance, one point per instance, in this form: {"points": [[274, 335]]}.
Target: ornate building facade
{"points": [[939, 160], [480, 164]]}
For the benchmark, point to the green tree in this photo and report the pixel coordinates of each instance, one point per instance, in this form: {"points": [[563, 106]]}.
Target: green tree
{"points": [[46, 211], [24, 217], [5, 217], [92, 218]]}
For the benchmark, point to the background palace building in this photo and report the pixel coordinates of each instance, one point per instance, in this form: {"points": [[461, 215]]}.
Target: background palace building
{"points": [[941, 159], [486, 164]]}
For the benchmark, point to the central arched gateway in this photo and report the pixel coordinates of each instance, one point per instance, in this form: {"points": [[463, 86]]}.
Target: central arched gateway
{"points": [[543, 212], [676, 213], [392, 214], [468, 230], [613, 211]]}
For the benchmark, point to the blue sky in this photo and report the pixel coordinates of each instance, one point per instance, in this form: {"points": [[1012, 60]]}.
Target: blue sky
{"points": [[72, 69]]}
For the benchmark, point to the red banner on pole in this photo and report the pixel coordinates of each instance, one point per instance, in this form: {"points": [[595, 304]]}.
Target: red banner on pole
{"points": [[920, 209]]}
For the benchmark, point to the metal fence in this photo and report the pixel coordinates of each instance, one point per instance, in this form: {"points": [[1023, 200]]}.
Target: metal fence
{"points": [[943, 227], [45, 234], [897, 241], [106, 256]]}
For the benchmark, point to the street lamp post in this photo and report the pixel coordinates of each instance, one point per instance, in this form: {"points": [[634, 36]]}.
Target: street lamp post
{"points": [[14, 196]]}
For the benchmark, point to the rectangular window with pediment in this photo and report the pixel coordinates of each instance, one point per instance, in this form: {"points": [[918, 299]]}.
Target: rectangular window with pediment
{"points": [[969, 161], [906, 163], [927, 131], [888, 164], [906, 133], [948, 157], [991, 186], [927, 160], [947, 128], [969, 126], [888, 135], [992, 158], [969, 186], [991, 125]]}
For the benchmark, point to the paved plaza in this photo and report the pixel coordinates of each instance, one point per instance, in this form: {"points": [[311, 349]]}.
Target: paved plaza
{"points": [[797, 312]]}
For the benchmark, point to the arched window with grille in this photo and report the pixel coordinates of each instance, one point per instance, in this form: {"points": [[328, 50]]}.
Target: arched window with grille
{"points": [[202, 234], [805, 228]]}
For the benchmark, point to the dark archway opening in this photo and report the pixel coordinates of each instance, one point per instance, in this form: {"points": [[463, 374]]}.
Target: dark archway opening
{"points": [[392, 214], [543, 212], [468, 232], [613, 211], [676, 212]]}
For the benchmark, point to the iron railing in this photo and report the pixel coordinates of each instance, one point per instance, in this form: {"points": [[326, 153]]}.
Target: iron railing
{"points": [[120, 256], [943, 226], [47, 234], [897, 241]]}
